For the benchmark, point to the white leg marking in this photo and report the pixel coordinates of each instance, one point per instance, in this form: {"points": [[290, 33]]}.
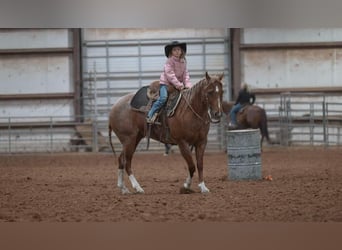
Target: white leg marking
{"points": [[120, 178], [121, 183], [187, 182], [203, 188], [135, 184]]}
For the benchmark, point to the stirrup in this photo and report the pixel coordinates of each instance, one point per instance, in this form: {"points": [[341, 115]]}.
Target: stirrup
{"points": [[149, 120], [152, 119]]}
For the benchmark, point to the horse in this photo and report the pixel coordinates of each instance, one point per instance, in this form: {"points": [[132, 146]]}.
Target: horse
{"points": [[250, 116], [198, 107]]}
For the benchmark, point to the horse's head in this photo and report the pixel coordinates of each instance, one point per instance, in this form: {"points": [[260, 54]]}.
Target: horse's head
{"points": [[214, 93]]}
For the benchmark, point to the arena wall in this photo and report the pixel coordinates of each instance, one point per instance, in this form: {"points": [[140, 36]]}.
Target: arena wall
{"points": [[55, 81]]}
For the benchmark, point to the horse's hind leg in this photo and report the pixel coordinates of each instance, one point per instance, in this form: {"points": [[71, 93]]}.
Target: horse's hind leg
{"points": [[127, 158], [121, 183]]}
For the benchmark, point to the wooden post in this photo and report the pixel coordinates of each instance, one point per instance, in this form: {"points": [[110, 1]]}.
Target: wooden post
{"points": [[235, 35]]}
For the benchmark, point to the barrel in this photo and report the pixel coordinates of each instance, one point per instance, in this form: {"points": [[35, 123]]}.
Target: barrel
{"points": [[244, 154]]}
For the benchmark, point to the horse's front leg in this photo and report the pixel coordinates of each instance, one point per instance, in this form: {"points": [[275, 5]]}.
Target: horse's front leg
{"points": [[186, 153], [199, 158]]}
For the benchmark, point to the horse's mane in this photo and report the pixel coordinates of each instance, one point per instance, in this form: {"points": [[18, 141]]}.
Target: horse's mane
{"points": [[194, 96], [191, 93]]}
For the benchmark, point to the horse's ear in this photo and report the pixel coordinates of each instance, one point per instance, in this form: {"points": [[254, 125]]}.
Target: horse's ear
{"points": [[221, 76], [207, 76]]}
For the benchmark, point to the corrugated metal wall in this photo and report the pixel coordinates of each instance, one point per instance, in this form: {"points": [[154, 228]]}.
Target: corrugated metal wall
{"points": [[277, 61], [289, 67], [37, 82], [36, 73]]}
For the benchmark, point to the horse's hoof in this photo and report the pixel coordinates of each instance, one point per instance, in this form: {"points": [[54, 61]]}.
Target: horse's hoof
{"points": [[139, 190], [187, 184], [206, 191], [125, 191], [203, 188], [184, 190]]}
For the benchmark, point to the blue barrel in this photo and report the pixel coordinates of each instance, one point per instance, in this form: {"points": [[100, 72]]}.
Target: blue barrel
{"points": [[244, 154]]}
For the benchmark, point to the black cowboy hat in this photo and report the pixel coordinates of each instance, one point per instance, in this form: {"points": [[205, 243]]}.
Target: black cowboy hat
{"points": [[169, 47]]}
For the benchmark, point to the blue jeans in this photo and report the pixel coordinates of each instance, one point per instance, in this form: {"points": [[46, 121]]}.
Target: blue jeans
{"points": [[233, 113], [160, 101]]}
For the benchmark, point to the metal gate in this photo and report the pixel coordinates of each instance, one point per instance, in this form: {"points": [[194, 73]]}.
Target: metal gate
{"points": [[310, 118], [113, 68]]}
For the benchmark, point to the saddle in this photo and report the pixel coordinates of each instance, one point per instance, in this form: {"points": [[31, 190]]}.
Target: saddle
{"points": [[142, 102], [243, 108], [146, 95]]}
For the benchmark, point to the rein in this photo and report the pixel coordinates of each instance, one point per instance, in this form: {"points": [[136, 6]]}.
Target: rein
{"points": [[198, 116]]}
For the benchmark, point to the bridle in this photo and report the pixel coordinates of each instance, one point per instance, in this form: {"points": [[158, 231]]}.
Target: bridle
{"points": [[193, 111], [207, 121]]}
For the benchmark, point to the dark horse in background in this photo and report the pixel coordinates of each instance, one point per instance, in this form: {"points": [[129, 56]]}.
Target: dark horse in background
{"points": [[250, 116], [198, 107]]}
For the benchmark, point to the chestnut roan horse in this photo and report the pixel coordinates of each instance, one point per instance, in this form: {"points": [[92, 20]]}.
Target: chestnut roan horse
{"points": [[251, 116], [199, 105]]}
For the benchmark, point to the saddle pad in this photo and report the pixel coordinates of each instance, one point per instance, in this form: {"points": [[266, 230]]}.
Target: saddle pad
{"points": [[140, 99], [141, 102]]}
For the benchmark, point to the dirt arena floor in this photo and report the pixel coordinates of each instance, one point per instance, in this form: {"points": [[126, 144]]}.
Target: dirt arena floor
{"points": [[306, 187]]}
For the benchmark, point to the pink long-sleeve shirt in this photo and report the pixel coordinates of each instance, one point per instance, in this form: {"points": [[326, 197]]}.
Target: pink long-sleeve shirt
{"points": [[175, 73]]}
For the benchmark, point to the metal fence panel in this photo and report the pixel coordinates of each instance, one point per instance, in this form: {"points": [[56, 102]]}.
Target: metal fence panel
{"points": [[309, 118]]}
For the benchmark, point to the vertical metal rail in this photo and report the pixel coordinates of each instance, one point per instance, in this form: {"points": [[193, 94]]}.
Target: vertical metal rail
{"points": [[286, 120], [51, 135], [94, 120], [139, 64], [311, 123], [204, 55], [289, 119], [9, 134], [324, 122], [107, 73], [283, 117]]}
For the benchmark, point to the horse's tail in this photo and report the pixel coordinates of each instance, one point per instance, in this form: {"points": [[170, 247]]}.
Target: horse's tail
{"points": [[264, 127], [110, 138]]}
